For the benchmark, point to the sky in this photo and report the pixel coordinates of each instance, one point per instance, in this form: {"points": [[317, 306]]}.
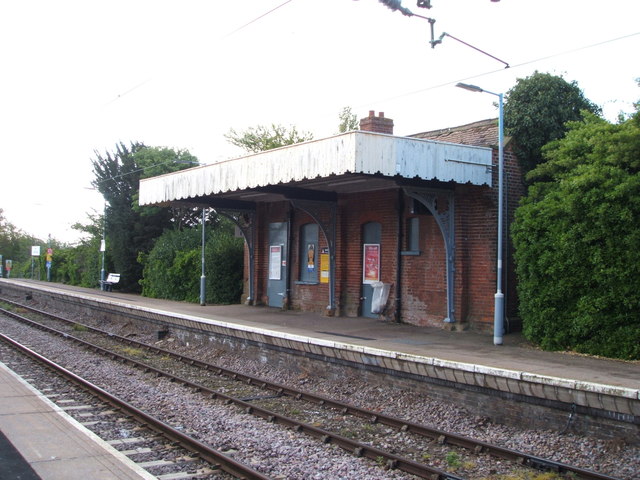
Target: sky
{"points": [[77, 77]]}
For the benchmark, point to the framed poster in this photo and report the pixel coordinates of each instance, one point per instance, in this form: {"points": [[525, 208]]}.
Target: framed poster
{"points": [[275, 262], [371, 263]]}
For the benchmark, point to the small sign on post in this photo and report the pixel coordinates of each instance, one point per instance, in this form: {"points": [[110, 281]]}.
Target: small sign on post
{"points": [[35, 252], [49, 259]]}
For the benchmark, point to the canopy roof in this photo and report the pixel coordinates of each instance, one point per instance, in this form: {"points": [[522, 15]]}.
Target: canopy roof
{"points": [[353, 161]]}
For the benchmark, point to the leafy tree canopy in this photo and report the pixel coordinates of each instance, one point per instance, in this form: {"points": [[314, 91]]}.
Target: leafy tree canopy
{"points": [[130, 229], [536, 111], [348, 121], [261, 138], [577, 242], [15, 245]]}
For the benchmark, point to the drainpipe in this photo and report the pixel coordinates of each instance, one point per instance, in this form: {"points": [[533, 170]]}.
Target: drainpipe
{"points": [[288, 257], [399, 256]]}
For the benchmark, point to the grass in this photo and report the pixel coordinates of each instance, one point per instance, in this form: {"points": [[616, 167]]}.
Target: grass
{"points": [[132, 352], [453, 460]]}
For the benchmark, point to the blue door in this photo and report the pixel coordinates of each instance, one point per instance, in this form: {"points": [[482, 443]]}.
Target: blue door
{"points": [[277, 272]]}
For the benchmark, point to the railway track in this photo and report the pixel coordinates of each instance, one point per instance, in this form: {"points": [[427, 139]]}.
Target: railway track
{"points": [[254, 394], [189, 458]]}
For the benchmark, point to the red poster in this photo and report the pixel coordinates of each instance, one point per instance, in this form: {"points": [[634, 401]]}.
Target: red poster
{"points": [[371, 263]]}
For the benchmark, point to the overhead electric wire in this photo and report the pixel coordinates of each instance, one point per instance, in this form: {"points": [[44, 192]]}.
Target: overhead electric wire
{"points": [[475, 48], [119, 96], [257, 18], [540, 59]]}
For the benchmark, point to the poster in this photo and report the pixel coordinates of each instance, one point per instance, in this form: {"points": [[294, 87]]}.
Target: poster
{"points": [[311, 258], [371, 263], [324, 265], [275, 262]]}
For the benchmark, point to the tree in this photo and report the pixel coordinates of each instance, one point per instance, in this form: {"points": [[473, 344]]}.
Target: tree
{"points": [[15, 245], [129, 228], [261, 138], [80, 264], [536, 111], [577, 242], [348, 121]]}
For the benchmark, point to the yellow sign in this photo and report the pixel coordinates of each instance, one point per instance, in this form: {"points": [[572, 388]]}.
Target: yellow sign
{"points": [[324, 268]]}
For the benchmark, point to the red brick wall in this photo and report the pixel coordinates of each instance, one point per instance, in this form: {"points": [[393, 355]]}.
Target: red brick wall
{"points": [[515, 190], [315, 297], [423, 298], [424, 277], [475, 255], [356, 210]]}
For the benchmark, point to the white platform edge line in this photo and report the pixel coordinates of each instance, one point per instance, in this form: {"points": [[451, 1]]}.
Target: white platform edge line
{"points": [[468, 367], [77, 425]]}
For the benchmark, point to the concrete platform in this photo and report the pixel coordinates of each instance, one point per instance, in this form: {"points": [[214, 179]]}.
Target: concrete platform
{"points": [[461, 360], [41, 441]]}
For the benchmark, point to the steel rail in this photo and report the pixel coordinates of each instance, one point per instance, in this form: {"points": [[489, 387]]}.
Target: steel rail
{"points": [[441, 436], [203, 451], [357, 448]]}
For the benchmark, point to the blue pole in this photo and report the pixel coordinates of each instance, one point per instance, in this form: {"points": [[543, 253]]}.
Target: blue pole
{"points": [[498, 311], [103, 245], [498, 319], [203, 278]]}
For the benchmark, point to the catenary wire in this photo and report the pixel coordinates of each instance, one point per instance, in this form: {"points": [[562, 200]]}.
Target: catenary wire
{"points": [[528, 62]]}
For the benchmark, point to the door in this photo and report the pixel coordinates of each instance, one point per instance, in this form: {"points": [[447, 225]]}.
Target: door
{"points": [[277, 274], [371, 234]]}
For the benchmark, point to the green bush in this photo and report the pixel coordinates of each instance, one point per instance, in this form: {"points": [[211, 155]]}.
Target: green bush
{"points": [[224, 261], [173, 267], [165, 273], [577, 242]]}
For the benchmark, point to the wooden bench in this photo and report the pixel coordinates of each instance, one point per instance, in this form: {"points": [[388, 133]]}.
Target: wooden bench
{"points": [[111, 280]]}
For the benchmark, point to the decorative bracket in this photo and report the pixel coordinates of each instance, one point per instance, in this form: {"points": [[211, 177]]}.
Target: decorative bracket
{"points": [[327, 223], [245, 221], [445, 218]]}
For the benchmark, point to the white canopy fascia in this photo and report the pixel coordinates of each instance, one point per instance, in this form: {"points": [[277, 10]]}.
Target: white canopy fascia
{"points": [[354, 152]]}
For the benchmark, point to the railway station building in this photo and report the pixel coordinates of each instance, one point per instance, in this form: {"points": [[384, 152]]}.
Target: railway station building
{"points": [[366, 223]]}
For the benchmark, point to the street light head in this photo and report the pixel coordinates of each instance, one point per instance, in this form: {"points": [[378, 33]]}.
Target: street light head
{"points": [[471, 88]]}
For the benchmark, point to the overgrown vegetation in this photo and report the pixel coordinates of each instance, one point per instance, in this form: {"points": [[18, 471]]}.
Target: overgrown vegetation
{"points": [[577, 242], [173, 267]]}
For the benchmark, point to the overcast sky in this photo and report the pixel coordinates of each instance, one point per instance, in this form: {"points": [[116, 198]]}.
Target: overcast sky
{"points": [[80, 76]]}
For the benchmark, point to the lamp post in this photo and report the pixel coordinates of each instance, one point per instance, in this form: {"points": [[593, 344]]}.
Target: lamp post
{"points": [[103, 244], [498, 314], [203, 278]]}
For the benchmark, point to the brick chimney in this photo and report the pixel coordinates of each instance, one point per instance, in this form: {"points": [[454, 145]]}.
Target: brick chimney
{"points": [[377, 124]]}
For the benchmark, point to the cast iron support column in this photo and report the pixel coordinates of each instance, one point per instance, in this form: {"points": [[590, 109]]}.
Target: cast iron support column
{"points": [[315, 209], [446, 221], [245, 220]]}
